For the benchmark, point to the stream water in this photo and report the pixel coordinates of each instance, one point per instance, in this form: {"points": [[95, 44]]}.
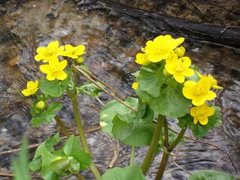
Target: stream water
{"points": [[112, 43]]}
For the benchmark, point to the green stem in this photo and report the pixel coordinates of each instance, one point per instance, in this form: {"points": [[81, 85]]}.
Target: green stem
{"points": [[178, 139], [153, 146], [132, 156], [165, 126], [166, 152], [79, 177], [82, 137], [162, 166]]}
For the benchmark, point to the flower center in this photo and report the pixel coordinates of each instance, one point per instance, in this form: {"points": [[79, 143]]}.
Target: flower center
{"points": [[179, 68]]}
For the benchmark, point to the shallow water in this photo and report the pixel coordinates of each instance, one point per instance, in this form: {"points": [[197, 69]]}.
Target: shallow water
{"points": [[112, 43]]}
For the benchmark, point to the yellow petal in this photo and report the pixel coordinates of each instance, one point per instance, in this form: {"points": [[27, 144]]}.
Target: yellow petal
{"points": [[50, 77], [69, 47], [186, 61], [142, 59], [195, 120], [53, 45], [203, 121], [179, 78], [61, 75], [189, 72], [188, 89], [44, 68], [198, 101], [210, 95], [62, 64], [25, 92]]}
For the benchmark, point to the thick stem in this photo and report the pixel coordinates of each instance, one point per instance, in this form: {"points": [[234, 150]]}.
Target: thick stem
{"points": [[153, 146], [162, 166], [166, 151], [82, 137], [165, 125], [132, 156]]}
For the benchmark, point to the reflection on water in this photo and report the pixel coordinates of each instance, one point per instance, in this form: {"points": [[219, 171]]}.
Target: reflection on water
{"points": [[112, 43]]}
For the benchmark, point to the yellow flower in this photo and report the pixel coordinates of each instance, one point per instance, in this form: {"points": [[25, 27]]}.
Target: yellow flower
{"points": [[201, 114], [180, 51], [179, 68], [40, 105], [74, 52], [198, 92], [211, 80], [135, 85], [142, 59], [51, 52], [54, 70], [161, 47], [32, 88]]}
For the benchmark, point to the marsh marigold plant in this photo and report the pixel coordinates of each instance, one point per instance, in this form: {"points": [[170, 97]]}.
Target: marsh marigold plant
{"points": [[167, 85]]}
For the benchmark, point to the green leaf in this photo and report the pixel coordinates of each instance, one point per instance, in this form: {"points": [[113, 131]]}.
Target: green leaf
{"points": [[47, 115], [72, 147], [20, 163], [170, 103], [126, 173], [60, 165], [135, 133], [36, 163], [112, 108], [121, 129], [54, 88], [90, 90], [211, 175], [140, 136], [67, 148], [150, 79]]}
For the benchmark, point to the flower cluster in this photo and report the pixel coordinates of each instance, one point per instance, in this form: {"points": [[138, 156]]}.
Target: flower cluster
{"points": [[168, 51], [54, 65]]}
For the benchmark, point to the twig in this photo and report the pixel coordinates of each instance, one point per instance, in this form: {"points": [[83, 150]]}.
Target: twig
{"points": [[62, 126], [211, 144], [115, 156], [12, 175], [179, 165], [94, 82], [89, 130], [103, 83]]}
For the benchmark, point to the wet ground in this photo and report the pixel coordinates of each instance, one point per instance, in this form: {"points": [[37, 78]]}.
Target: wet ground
{"points": [[112, 43]]}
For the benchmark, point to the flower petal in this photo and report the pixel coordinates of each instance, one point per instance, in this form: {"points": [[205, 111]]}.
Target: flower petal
{"points": [[61, 75]]}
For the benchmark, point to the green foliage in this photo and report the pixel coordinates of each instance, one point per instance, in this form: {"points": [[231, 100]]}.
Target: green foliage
{"points": [[55, 88], [126, 173], [90, 89], [170, 103], [199, 130], [112, 108], [69, 159], [132, 128], [211, 175], [162, 93], [151, 79], [20, 163], [46, 115]]}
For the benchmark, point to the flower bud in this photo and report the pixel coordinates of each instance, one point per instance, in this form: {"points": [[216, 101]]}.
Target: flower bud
{"points": [[40, 105], [180, 51], [80, 60], [135, 85]]}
